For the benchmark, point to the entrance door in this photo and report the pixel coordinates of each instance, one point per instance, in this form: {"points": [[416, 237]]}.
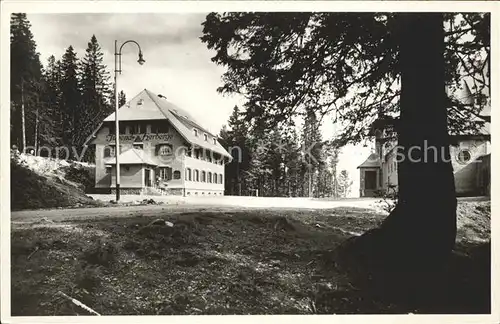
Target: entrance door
{"points": [[147, 178], [370, 180]]}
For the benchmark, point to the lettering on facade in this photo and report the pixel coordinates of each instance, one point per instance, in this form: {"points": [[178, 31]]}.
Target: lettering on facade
{"points": [[140, 137]]}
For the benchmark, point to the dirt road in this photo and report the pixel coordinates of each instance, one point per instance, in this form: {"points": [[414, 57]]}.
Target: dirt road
{"points": [[182, 204]]}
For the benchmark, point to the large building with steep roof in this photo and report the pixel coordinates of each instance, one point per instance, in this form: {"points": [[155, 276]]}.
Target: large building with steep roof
{"points": [[163, 150]]}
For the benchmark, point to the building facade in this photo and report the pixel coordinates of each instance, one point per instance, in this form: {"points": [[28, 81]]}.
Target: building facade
{"points": [[163, 150], [470, 158], [470, 154]]}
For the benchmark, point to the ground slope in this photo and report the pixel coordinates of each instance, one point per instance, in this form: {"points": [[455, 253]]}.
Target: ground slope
{"points": [[38, 182]]}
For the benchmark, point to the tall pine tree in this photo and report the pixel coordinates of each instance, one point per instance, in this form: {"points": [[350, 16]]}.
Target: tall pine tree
{"points": [[25, 78], [52, 100], [96, 93], [311, 149], [70, 98], [235, 139]]}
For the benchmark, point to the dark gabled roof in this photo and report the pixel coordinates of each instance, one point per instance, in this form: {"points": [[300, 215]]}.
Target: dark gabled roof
{"points": [[373, 161]]}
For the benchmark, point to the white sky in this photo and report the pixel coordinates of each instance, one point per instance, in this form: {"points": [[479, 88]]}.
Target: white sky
{"points": [[177, 66]]}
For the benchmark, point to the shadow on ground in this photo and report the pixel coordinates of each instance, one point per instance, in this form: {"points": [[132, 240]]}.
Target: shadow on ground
{"points": [[247, 262]]}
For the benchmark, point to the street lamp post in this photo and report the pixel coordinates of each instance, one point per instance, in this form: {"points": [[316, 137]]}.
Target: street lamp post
{"points": [[118, 69]]}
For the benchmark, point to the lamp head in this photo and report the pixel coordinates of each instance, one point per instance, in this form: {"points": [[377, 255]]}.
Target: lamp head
{"points": [[140, 60]]}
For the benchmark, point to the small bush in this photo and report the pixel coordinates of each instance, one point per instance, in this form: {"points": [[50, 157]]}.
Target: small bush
{"points": [[88, 278], [81, 176], [389, 198], [101, 253]]}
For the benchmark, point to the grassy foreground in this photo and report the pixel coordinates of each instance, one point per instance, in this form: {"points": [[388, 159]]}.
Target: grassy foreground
{"points": [[241, 262]]}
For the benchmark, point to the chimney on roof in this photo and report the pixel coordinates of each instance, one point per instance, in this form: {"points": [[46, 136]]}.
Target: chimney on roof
{"points": [[162, 96]]}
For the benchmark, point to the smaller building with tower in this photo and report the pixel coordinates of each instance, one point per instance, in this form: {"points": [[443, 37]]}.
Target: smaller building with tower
{"points": [[470, 153]]}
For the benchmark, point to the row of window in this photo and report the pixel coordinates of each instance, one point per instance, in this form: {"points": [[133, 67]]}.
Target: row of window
{"points": [[160, 149], [166, 173], [158, 127], [203, 176], [167, 150], [205, 136], [215, 158], [155, 127]]}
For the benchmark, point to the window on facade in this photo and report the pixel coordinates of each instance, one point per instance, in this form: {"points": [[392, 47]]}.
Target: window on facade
{"points": [[164, 149], [196, 175], [205, 136], [209, 177], [177, 174], [108, 169], [188, 174], [135, 128], [112, 149], [197, 153], [203, 176], [220, 179], [107, 151], [217, 158], [209, 157], [165, 173], [161, 127], [464, 156], [195, 132], [215, 177]]}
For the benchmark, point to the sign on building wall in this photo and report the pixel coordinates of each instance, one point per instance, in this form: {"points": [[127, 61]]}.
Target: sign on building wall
{"points": [[140, 137]]}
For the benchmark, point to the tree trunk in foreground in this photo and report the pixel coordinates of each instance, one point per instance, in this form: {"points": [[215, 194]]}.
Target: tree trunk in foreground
{"points": [[420, 233], [427, 200]]}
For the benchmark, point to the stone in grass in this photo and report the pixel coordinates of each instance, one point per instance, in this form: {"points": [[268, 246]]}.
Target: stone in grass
{"points": [[159, 222], [283, 223], [43, 220]]}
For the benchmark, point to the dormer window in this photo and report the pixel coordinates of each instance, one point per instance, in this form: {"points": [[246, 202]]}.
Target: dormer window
{"points": [[195, 132], [206, 137], [140, 102]]}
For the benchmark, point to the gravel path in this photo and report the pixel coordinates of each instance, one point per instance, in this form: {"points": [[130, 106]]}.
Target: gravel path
{"points": [[174, 204], [183, 204]]}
